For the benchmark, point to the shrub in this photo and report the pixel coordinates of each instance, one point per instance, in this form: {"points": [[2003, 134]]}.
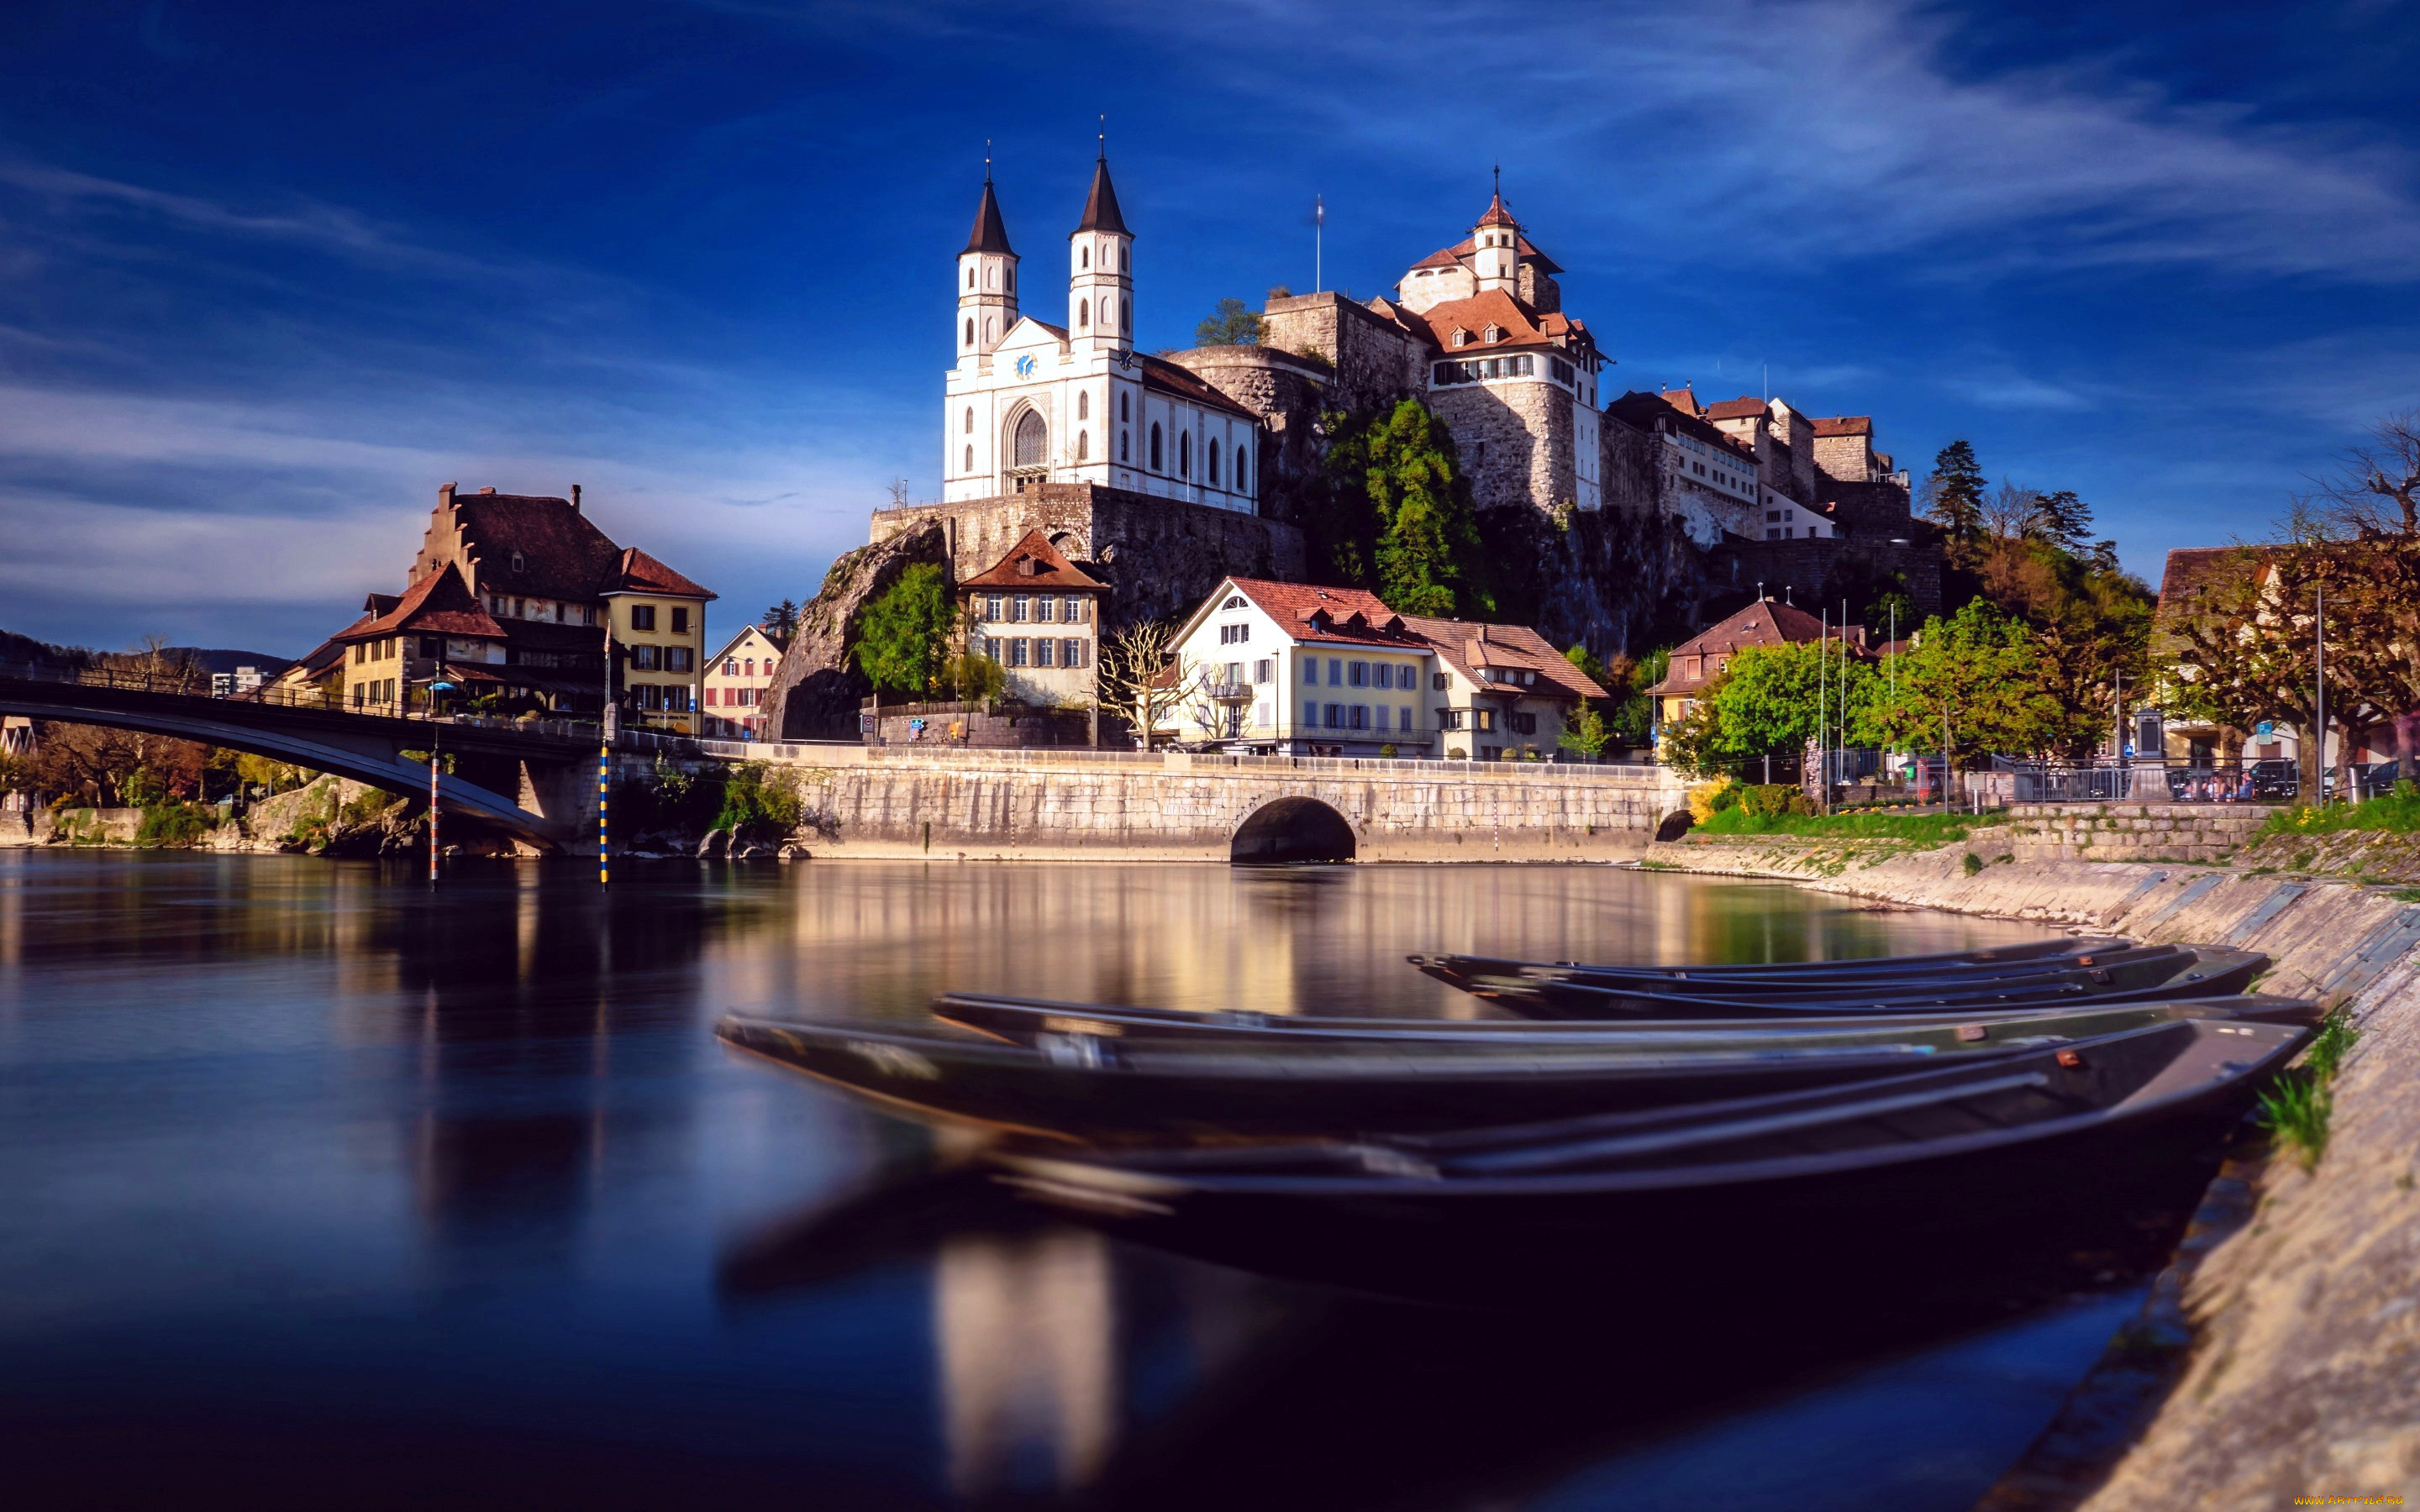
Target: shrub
{"points": [[174, 824], [1387, 750], [1973, 863], [1773, 800], [756, 794]]}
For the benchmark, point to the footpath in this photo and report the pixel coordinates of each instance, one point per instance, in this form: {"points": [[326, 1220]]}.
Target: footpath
{"points": [[2302, 1378]]}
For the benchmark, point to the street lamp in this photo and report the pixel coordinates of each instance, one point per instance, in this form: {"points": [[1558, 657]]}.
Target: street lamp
{"points": [[436, 747]]}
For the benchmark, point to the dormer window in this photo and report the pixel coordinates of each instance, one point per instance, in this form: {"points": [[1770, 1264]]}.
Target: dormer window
{"points": [[516, 562], [1460, 337], [1495, 333]]}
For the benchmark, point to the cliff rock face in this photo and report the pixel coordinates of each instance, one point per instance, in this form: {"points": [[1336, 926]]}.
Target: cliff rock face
{"points": [[1610, 580], [815, 691]]}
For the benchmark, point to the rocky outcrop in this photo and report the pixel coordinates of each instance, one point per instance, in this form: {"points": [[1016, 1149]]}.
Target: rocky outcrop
{"points": [[816, 691]]}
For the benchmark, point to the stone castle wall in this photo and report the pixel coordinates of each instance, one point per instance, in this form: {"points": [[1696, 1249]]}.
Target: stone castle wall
{"points": [[1514, 442], [1844, 458], [1287, 393], [1372, 361]]}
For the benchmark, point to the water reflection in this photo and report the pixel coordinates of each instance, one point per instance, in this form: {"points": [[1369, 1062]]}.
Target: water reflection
{"points": [[331, 1191]]}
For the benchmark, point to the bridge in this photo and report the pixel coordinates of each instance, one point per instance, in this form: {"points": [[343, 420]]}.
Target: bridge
{"points": [[534, 779]]}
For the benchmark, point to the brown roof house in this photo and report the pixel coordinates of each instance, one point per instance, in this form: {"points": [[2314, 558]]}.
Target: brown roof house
{"points": [[1501, 693], [1702, 659], [514, 594], [1039, 616]]}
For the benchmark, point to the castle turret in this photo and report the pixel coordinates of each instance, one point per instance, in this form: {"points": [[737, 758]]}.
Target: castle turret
{"points": [[1100, 260], [1496, 248], [986, 280]]}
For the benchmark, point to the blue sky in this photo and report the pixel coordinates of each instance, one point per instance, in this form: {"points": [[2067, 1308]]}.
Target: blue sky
{"points": [[271, 272]]}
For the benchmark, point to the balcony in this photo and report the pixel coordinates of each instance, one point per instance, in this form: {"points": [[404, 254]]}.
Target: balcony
{"points": [[1229, 692]]}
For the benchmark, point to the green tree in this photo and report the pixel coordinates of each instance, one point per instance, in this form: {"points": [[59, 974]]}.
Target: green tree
{"points": [[1953, 496], [1585, 732], [2063, 520], [1985, 672], [2093, 627], [1427, 542], [1229, 323], [1339, 523], [904, 639], [1768, 700], [1633, 716], [782, 620]]}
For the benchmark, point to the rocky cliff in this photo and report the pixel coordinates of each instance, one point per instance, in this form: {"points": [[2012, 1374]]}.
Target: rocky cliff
{"points": [[817, 690]]}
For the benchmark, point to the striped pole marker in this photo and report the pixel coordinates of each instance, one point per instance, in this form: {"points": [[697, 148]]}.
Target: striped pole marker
{"points": [[604, 849]]}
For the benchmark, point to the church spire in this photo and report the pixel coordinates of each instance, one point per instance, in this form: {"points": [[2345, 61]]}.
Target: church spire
{"points": [[990, 233], [1101, 204]]}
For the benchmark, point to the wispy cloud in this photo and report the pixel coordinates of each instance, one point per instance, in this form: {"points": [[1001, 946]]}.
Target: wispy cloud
{"points": [[1832, 128]]}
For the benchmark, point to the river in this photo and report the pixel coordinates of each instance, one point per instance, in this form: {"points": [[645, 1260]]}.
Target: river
{"points": [[320, 1188]]}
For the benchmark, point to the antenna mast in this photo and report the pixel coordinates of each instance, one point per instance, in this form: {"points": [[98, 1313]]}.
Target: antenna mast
{"points": [[1318, 241]]}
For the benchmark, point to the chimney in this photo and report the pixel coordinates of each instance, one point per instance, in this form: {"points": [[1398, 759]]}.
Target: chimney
{"points": [[575, 498], [490, 488]]}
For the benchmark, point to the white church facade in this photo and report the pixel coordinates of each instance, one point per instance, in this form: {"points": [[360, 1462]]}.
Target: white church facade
{"points": [[1029, 402]]}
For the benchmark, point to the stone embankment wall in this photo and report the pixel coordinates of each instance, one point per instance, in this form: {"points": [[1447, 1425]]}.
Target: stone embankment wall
{"points": [[982, 805], [2131, 831], [2305, 1372]]}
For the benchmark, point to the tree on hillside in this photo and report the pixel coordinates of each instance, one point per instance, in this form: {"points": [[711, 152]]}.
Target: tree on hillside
{"points": [[2009, 511], [1986, 673], [903, 637], [1229, 323], [2062, 519], [1953, 495], [1427, 547], [780, 621]]}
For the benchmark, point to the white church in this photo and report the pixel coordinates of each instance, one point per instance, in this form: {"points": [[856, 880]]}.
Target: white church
{"points": [[1031, 403]]}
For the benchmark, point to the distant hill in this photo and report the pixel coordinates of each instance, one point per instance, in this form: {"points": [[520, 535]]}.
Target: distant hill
{"points": [[211, 660], [15, 647]]}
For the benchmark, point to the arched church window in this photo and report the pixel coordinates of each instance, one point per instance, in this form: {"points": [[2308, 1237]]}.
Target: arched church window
{"points": [[970, 420], [1083, 315], [1213, 460], [1154, 446], [991, 278], [970, 331], [1126, 315], [1012, 280], [1126, 452], [1083, 256], [1084, 446], [1125, 410], [970, 461], [971, 277], [991, 329], [1243, 483], [1033, 439], [1184, 454], [1083, 405], [1122, 260]]}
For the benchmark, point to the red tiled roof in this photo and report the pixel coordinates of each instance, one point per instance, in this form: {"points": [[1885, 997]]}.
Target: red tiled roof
{"points": [[643, 574], [1844, 425], [563, 553], [1764, 623], [1496, 214], [1462, 250], [1647, 412], [1158, 372], [1739, 408], [438, 604], [1470, 645], [1051, 568], [1523, 327], [1308, 612], [1684, 399]]}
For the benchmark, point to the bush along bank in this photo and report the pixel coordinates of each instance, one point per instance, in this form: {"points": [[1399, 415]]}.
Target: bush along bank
{"points": [[751, 811]]}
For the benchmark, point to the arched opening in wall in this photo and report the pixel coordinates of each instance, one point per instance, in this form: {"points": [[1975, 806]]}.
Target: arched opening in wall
{"points": [[1290, 831], [1028, 449]]}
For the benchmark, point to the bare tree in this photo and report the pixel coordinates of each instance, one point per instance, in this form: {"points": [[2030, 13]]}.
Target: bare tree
{"points": [[1144, 677], [2010, 511], [2375, 494]]}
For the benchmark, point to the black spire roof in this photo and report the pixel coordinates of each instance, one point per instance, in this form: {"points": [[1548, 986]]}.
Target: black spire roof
{"points": [[990, 233], [1101, 204]]}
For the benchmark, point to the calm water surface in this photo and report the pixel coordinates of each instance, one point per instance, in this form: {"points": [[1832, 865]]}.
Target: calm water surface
{"points": [[316, 1189]]}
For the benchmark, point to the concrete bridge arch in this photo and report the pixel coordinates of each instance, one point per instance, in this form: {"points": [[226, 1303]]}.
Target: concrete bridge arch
{"points": [[1292, 830]]}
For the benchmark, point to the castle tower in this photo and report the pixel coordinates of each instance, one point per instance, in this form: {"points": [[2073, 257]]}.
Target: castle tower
{"points": [[1496, 248], [1100, 277], [986, 280]]}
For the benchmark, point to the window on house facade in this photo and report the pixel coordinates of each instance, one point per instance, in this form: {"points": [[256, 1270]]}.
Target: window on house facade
{"points": [[991, 607], [680, 620], [1335, 712], [1020, 607], [1356, 674], [1483, 719], [1044, 652], [1073, 609], [1016, 651], [646, 659], [1336, 672], [1404, 719], [991, 647], [1264, 671], [1071, 653], [642, 616], [679, 658], [1045, 607], [1311, 672], [1448, 719], [1526, 724], [1310, 714]]}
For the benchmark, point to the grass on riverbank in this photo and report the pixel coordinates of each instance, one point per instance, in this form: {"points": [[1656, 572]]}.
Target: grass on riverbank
{"points": [[2396, 813], [1919, 829], [2296, 1111]]}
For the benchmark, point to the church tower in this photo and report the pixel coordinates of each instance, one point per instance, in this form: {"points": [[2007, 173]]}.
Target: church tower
{"points": [[1496, 248], [986, 280], [1100, 278]]}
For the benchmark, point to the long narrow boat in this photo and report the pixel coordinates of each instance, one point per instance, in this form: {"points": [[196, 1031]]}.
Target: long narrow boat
{"points": [[2030, 956], [1097, 1089], [2116, 969], [1029, 1021], [2195, 974], [1877, 1178]]}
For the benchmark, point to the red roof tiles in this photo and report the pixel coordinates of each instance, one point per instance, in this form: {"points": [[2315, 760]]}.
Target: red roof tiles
{"points": [[1470, 646], [1740, 408], [1051, 569], [643, 574], [1844, 425], [1343, 616], [1764, 623], [441, 603]]}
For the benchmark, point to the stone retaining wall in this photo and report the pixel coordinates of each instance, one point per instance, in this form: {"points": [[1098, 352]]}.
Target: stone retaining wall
{"points": [[2305, 1369], [987, 805], [2131, 831]]}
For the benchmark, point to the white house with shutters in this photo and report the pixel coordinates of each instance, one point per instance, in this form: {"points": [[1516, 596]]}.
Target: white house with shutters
{"points": [[1029, 402], [1297, 670]]}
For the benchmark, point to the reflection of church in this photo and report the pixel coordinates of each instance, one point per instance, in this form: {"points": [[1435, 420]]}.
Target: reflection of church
{"points": [[1031, 403]]}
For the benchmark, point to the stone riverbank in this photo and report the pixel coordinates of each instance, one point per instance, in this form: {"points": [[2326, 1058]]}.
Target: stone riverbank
{"points": [[2303, 1378]]}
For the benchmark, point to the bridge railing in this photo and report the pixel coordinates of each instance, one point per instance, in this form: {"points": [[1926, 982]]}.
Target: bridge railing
{"points": [[188, 683], [852, 753]]}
